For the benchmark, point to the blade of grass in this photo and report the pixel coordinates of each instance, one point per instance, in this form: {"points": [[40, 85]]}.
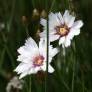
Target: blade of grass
{"points": [[2, 58], [74, 51], [10, 56], [11, 15]]}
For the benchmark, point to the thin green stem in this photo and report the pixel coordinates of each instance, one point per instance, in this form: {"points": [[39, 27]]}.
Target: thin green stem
{"points": [[73, 67], [10, 56], [47, 56], [2, 58], [4, 37], [12, 14], [52, 5], [7, 49], [27, 33], [30, 84], [83, 82], [33, 3], [73, 77]]}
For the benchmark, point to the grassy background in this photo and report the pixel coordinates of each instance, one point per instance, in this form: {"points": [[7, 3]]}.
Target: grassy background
{"points": [[73, 72]]}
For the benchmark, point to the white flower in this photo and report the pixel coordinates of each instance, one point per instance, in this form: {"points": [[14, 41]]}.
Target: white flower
{"points": [[61, 27], [33, 58], [15, 83]]}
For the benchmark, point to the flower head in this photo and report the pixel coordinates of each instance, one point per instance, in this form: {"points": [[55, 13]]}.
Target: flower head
{"points": [[33, 57], [15, 83], [62, 27]]}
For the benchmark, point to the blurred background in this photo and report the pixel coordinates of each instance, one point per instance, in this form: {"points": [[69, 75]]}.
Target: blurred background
{"points": [[19, 19]]}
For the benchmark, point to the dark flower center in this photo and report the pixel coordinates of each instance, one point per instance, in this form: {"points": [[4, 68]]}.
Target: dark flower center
{"points": [[38, 61], [62, 30]]}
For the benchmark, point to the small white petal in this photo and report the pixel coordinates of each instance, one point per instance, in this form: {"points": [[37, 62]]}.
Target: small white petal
{"points": [[74, 32], [26, 58], [50, 69], [42, 47], [22, 67], [60, 17], [67, 42], [43, 22], [70, 21], [54, 52], [61, 41], [78, 24], [77, 32], [31, 43], [43, 67], [29, 46], [34, 70], [70, 35], [53, 21], [23, 75], [66, 16], [53, 37]]}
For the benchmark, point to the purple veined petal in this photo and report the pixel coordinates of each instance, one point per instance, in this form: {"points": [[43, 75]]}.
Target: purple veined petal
{"points": [[53, 20], [68, 19], [66, 16], [60, 17]]}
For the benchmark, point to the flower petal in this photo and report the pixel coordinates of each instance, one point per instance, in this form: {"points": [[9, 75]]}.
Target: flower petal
{"points": [[29, 46], [44, 33], [53, 21], [78, 24], [22, 67], [54, 52], [60, 17], [53, 37], [44, 67], [73, 32], [67, 42], [50, 69], [66, 16], [43, 22], [34, 70], [23, 75], [31, 43], [61, 41], [71, 21]]}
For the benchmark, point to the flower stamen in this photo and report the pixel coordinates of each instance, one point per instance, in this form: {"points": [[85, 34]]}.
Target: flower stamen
{"points": [[38, 61], [62, 30]]}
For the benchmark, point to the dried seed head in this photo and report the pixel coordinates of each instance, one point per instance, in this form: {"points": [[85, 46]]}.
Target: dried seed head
{"points": [[35, 12], [24, 19], [43, 14]]}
